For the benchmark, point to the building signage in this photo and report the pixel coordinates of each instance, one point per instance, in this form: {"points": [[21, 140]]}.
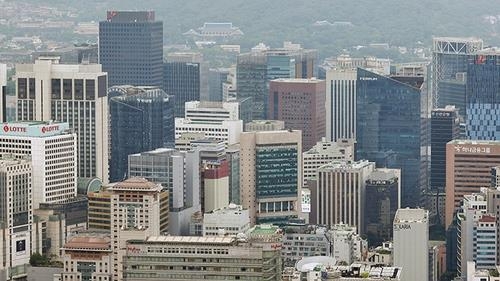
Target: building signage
{"points": [[306, 201], [16, 129], [368, 78], [404, 226], [50, 128], [33, 129], [472, 149]]}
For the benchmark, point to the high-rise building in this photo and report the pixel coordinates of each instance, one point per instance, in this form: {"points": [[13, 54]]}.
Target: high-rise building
{"points": [[468, 168], [139, 209], [270, 175], [449, 66], [141, 119], [300, 103], [216, 79], [179, 173], [411, 238], [383, 189], [251, 77], [3, 92], [389, 127], [233, 160], [341, 76], [16, 214], [445, 127], [131, 48], [216, 120], [47, 90], [339, 195], [53, 151], [483, 95], [185, 77], [325, 152]]}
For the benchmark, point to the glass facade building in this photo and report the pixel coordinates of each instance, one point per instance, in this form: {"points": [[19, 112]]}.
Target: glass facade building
{"points": [[182, 79], [131, 48], [251, 75], [141, 120], [388, 127], [483, 97]]}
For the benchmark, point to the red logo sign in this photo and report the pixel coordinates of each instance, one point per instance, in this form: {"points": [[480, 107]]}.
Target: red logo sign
{"points": [[47, 129], [14, 129]]}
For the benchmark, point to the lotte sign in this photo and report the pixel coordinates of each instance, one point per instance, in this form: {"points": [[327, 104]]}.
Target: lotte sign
{"points": [[14, 129]]}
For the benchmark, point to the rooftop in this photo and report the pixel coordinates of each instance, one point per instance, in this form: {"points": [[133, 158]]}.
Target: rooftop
{"points": [[136, 184], [298, 80], [411, 215], [93, 242], [470, 142], [190, 240]]}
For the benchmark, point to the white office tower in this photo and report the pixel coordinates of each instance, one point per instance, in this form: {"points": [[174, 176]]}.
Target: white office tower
{"points": [[411, 238], [16, 216], [53, 151], [47, 90], [227, 221], [217, 120], [323, 153], [348, 246], [341, 78], [339, 195]]}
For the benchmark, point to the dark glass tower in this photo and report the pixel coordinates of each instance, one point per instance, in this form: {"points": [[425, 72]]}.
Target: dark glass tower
{"points": [[131, 48], [182, 79], [445, 126], [142, 119], [483, 96], [389, 127]]}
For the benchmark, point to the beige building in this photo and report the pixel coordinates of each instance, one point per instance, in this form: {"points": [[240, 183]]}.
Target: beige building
{"points": [[139, 209], [47, 90], [264, 125], [99, 210], [271, 175], [468, 168], [87, 257]]}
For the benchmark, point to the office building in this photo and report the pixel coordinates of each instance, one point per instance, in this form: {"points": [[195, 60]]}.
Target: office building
{"points": [[264, 125], [141, 119], [347, 244], [99, 210], [389, 127], [47, 144], [16, 214], [339, 196], [84, 53], [228, 221], [449, 67], [383, 189], [139, 209], [325, 152], [251, 71], [411, 238], [300, 103], [216, 79], [177, 172], [215, 185], [294, 248], [211, 258], [341, 76], [218, 121], [445, 127], [87, 257], [131, 48], [47, 90], [270, 175], [483, 95], [3, 92], [233, 160], [462, 177], [495, 177]]}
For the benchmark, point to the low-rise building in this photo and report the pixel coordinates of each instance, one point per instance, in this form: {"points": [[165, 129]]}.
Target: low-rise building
{"points": [[229, 221]]}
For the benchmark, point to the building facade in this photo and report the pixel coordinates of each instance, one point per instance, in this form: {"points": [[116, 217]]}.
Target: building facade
{"points": [[76, 94], [131, 48], [270, 175], [53, 151], [300, 103], [141, 119], [227, 221], [411, 238]]}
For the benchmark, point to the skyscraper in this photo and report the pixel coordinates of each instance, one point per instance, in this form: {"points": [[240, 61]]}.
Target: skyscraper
{"points": [[411, 238], [449, 65], [142, 119], [388, 127], [185, 77], [301, 104], [483, 95], [131, 48], [270, 175], [445, 126], [47, 90], [251, 77]]}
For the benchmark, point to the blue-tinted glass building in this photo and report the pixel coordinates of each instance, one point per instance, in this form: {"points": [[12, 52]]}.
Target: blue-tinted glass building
{"points": [[131, 48], [389, 127], [483, 96], [141, 119], [182, 80]]}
